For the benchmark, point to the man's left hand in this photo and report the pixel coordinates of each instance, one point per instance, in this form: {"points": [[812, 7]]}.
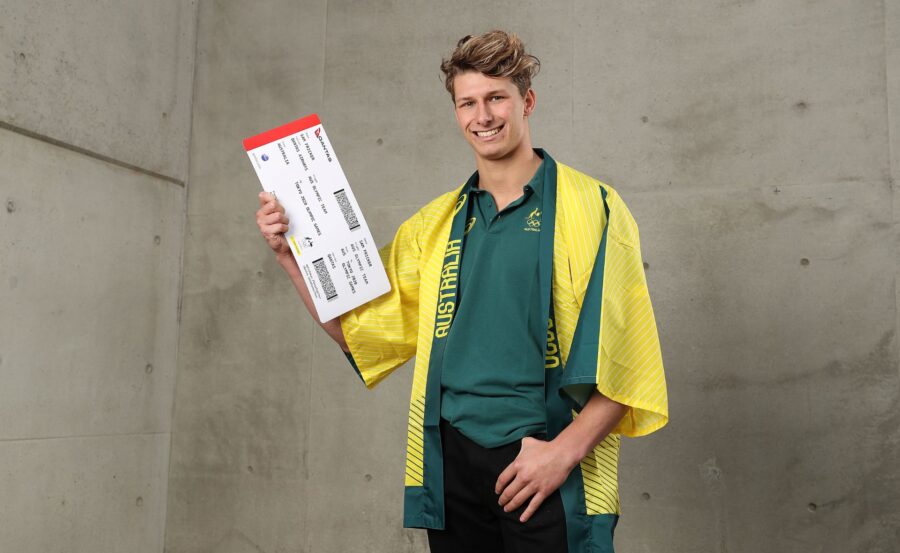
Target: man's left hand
{"points": [[538, 470]]}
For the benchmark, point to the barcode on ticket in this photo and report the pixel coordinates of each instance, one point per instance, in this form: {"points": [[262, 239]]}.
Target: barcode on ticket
{"points": [[324, 279], [347, 209]]}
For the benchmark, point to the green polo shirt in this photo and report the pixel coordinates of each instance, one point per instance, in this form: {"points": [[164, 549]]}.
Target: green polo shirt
{"points": [[492, 376]]}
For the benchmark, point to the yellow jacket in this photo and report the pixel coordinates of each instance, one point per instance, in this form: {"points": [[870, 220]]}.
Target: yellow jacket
{"points": [[601, 332]]}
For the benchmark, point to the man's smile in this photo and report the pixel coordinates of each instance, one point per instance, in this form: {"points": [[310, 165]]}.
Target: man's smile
{"points": [[488, 133]]}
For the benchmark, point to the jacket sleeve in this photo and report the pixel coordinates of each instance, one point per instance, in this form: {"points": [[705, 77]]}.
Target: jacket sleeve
{"points": [[382, 333], [615, 348]]}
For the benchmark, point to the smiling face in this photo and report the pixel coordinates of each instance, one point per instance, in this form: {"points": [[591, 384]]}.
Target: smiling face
{"points": [[492, 114]]}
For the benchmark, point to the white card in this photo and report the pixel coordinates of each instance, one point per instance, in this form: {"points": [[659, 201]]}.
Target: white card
{"points": [[327, 231]]}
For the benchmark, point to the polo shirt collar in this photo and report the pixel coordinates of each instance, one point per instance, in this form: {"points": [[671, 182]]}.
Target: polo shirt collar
{"points": [[535, 185]]}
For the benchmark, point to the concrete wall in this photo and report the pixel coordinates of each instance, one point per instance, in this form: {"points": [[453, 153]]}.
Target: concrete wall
{"points": [[94, 128], [756, 144]]}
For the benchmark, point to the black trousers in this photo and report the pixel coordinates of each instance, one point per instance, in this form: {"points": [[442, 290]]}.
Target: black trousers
{"points": [[475, 522]]}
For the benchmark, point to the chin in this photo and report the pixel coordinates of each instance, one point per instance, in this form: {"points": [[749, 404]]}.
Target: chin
{"points": [[494, 152]]}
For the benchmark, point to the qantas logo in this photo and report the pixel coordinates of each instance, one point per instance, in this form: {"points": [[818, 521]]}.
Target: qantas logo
{"points": [[322, 142]]}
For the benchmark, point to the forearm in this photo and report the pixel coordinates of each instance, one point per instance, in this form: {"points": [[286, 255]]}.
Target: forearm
{"points": [[541, 467], [332, 327], [596, 420]]}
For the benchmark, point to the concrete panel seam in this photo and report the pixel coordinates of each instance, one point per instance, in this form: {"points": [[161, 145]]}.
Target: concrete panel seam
{"points": [[572, 25], [313, 331], [83, 436], [308, 423], [184, 214], [628, 192], [887, 91], [324, 52], [89, 153]]}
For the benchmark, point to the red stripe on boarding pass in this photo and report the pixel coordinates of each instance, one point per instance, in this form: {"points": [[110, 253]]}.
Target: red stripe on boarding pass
{"points": [[280, 132]]}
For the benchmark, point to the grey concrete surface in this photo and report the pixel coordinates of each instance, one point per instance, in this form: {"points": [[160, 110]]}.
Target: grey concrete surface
{"points": [[892, 63], [756, 145], [90, 257], [730, 93], [239, 472], [110, 77], [89, 285], [756, 142], [94, 129], [83, 494], [787, 373]]}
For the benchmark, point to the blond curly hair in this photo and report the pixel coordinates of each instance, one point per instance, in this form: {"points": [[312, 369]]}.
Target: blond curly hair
{"points": [[495, 54]]}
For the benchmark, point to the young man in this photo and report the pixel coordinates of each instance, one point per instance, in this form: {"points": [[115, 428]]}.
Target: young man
{"points": [[523, 297]]}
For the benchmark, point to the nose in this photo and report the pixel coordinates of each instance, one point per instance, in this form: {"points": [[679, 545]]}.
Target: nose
{"points": [[484, 116]]}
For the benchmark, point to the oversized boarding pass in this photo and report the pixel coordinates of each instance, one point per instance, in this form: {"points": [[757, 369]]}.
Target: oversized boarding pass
{"points": [[326, 232]]}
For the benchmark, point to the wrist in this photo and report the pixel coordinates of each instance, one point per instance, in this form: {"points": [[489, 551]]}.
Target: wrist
{"points": [[569, 452], [286, 260]]}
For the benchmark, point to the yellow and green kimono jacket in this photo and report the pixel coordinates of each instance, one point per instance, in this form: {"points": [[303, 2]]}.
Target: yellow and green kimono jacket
{"points": [[601, 334]]}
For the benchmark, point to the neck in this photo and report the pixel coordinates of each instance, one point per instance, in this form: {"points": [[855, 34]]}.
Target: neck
{"points": [[507, 175]]}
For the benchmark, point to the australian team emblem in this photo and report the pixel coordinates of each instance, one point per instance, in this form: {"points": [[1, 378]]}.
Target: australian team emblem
{"points": [[533, 221]]}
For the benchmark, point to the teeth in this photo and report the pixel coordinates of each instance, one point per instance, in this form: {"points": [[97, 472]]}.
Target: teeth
{"points": [[485, 134]]}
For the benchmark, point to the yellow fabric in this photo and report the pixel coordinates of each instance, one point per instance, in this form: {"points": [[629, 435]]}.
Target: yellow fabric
{"points": [[629, 367], [599, 475], [386, 332]]}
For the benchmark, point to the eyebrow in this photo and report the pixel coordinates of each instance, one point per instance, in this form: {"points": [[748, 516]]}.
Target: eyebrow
{"points": [[489, 93]]}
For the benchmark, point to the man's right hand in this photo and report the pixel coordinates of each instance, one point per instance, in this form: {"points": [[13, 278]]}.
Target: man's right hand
{"points": [[273, 223]]}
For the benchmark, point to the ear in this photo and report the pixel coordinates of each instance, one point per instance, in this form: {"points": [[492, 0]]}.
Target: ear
{"points": [[530, 102]]}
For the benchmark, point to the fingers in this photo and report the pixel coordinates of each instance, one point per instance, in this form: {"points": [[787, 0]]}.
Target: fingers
{"points": [[532, 507], [519, 499], [268, 203], [271, 231], [271, 222], [505, 478], [274, 218], [266, 197], [510, 492]]}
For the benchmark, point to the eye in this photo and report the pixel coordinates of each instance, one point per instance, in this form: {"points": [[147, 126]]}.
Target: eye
{"points": [[496, 97], [465, 104]]}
